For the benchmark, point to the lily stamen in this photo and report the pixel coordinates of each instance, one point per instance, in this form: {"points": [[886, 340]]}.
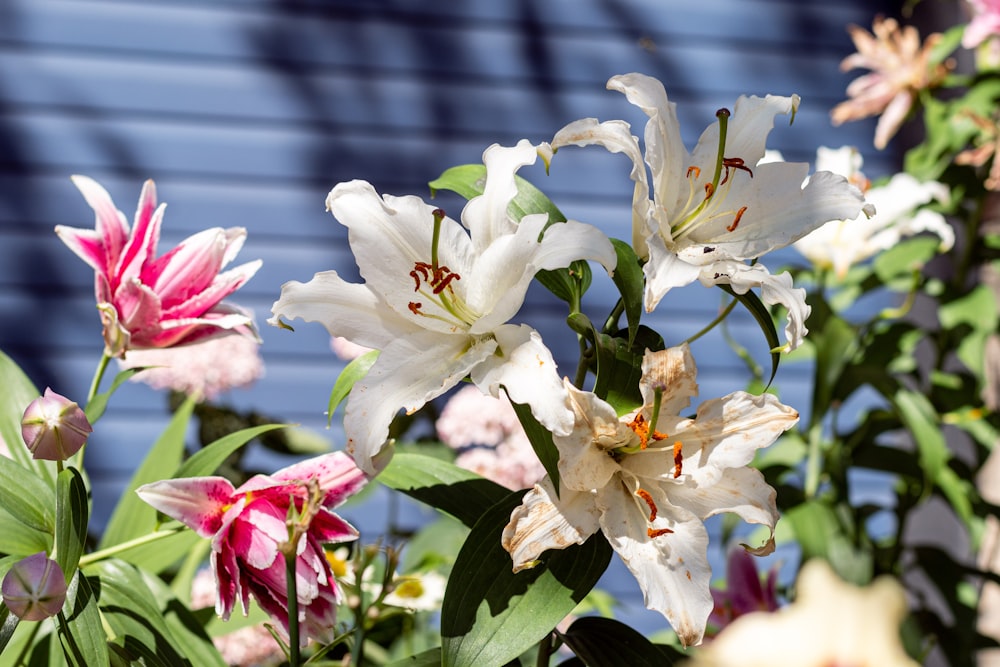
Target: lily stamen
{"points": [[678, 459], [644, 494], [736, 220], [656, 532]]}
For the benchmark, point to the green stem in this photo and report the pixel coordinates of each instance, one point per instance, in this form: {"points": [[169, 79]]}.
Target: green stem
{"points": [[814, 460], [581, 365], [95, 384], [294, 659], [97, 556], [611, 324], [723, 314], [544, 651]]}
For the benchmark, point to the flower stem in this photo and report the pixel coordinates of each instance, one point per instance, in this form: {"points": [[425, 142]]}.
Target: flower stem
{"points": [[95, 384], [125, 546], [294, 659], [813, 462], [723, 314]]}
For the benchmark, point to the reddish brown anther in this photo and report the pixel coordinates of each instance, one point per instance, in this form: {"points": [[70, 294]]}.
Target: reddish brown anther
{"points": [[678, 459], [414, 307], [438, 277], [736, 220], [656, 532], [644, 494], [640, 427]]}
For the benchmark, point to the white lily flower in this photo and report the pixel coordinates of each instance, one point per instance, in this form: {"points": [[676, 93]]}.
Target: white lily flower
{"points": [[839, 244], [649, 479], [718, 206], [436, 300]]}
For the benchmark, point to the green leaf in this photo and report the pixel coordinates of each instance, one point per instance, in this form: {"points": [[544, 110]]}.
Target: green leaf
{"points": [[568, 284], [905, 257], [8, 624], [185, 627], [457, 491], [26, 496], [541, 441], [16, 392], [72, 516], [84, 621], [354, 371], [977, 310], [820, 535], [135, 616], [21, 539], [468, 181], [756, 307], [617, 365], [491, 615], [208, 459], [429, 658], [604, 641], [132, 517], [99, 403], [630, 282]]}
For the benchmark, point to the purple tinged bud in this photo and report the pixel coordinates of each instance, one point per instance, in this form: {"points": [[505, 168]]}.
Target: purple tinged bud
{"points": [[54, 427], [34, 588]]}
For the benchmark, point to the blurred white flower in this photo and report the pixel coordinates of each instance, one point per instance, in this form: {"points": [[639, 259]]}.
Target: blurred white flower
{"points": [[839, 244], [829, 623], [346, 350], [207, 368], [418, 591]]}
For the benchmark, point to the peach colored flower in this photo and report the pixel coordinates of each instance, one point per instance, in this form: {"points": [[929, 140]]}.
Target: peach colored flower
{"points": [[900, 68]]}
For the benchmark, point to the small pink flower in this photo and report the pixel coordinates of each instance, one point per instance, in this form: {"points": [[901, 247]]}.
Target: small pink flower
{"points": [[347, 350], [53, 427], [152, 302], [207, 368], [985, 23], [34, 588], [248, 528]]}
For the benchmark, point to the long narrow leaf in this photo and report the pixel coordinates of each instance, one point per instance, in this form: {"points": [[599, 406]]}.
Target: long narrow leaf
{"points": [[72, 515], [16, 392], [443, 485], [26, 496], [132, 517], [760, 313], [491, 615], [207, 460]]}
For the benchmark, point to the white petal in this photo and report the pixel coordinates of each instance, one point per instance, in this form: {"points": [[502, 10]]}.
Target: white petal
{"points": [[584, 463], [616, 136], [748, 127], [526, 369], [486, 215], [504, 271], [673, 371], [726, 433], [345, 309], [390, 235], [742, 491], [671, 569], [409, 372], [775, 289], [665, 152], [664, 271], [543, 521]]}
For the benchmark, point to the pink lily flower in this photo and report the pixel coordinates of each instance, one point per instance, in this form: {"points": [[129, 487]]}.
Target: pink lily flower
{"points": [[247, 526], [156, 302], [745, 592]]}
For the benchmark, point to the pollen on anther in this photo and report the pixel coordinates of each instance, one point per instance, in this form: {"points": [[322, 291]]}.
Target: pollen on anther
{"points": [[644, 494], [694, 170], [736, 220], [678, 459], [656, 532], [414, 307]]}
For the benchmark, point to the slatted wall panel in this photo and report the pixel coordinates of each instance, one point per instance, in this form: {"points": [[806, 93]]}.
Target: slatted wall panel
{"points": [[246, 112]]}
